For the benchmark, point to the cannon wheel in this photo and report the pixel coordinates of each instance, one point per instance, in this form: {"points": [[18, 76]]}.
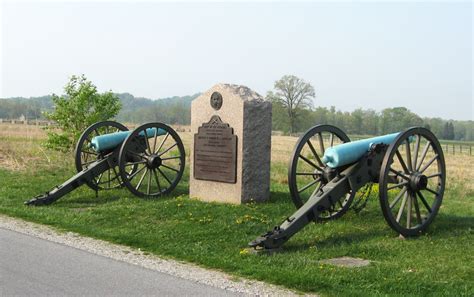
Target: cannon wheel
{"points": [[160, 161], [85, 155], [412, 181], [305, 170]]}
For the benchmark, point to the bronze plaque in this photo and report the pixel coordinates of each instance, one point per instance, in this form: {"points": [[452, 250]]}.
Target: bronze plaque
{"points": [[215, 152]]}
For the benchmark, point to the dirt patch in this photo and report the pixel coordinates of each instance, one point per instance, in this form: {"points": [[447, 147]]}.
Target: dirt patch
{"points": [[348, 262]]}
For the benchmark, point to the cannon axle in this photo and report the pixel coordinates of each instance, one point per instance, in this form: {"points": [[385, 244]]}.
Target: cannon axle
{"points": [[153, 161], [418, 181]]}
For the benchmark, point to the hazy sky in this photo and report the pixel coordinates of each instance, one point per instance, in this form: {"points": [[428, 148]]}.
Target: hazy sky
{"points": [[363, 54]]}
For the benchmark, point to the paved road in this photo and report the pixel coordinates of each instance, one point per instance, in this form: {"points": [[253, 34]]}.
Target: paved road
{"points": [[35, 267]]}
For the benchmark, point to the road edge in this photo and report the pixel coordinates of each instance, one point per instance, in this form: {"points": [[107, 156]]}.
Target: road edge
{"points": [[134, 256]]}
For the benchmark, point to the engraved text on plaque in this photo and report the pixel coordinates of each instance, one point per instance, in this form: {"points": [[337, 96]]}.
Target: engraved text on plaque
{"points": [[215, 152]]}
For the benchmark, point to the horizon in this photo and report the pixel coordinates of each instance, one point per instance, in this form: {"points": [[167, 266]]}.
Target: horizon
{"points": [[199, 93], [356, 55]]}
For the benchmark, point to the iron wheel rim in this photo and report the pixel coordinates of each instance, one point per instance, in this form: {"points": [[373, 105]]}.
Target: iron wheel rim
{"points": [[417, 206], [147, 176], [305, 141], [112, 177]]}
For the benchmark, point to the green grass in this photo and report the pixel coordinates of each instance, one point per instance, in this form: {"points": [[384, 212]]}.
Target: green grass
{"points": [[215, 235]]}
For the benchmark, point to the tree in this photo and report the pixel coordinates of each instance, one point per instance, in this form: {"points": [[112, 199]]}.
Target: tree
{"points": [[280, 120], [356, 121], [294, 95], [451, 131], [320, 115], [446, 131], [398, 119], [370, 122], [78, 108], [436, 126]]}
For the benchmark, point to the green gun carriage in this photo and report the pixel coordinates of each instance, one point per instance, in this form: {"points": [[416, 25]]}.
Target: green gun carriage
{"points": [[327, 171], [149, 161]]}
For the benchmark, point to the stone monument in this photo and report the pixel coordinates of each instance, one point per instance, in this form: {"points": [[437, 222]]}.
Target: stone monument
{"points": [[231, 145]]}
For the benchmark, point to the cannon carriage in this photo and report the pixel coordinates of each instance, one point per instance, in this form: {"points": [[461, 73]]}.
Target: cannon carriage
{"points": [[149, 161], [327, 172]]}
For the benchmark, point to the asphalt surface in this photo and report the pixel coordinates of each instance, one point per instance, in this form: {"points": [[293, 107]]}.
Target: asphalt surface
{"points": [[30, 266]]}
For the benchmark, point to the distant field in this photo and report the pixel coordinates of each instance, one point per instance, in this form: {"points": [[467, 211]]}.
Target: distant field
{"points": [[456, 142], [214, 235], [37, 132]]}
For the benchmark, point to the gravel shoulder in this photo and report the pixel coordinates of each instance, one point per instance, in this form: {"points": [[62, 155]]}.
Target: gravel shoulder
{"points": [[132, 256]]}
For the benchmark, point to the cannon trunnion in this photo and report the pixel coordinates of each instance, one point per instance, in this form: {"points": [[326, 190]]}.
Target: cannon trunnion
{"points": [[149, 161], [326, 172]]}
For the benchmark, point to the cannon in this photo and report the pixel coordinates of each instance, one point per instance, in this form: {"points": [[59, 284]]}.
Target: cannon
{"points": [[149, 161], [327, 170]]}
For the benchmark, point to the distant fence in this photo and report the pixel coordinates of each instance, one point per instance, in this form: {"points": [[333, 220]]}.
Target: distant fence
{"points": [[457, 149], [27, 122], [42, 123]]}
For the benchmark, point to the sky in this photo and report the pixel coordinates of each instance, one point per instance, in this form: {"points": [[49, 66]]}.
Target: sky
{"points": [[355, 54]]}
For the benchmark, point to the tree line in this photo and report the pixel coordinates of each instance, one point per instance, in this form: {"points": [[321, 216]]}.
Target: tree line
{"points": [[173, 110], [294, 111], [366, 122]]}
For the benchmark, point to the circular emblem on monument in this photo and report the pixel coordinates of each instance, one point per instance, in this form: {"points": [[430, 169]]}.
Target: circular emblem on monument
{"points": [[216, 100]]}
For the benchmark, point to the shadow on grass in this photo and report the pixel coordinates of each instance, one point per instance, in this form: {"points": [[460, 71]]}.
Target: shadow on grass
{"points": [[446, 225], [86, 200], [333, 241], [90, 199], [279, 197]]}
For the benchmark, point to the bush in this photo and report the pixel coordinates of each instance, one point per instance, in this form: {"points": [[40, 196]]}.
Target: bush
{"points": [[78, 108]]}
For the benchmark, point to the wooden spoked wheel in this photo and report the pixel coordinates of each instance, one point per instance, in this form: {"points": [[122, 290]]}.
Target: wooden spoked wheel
{"points": [[412, 181], [158, 160], [86, 155], [306, 169]]}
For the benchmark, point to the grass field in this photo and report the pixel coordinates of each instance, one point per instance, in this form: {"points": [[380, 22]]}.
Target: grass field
{"points": [[214, 235]]}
